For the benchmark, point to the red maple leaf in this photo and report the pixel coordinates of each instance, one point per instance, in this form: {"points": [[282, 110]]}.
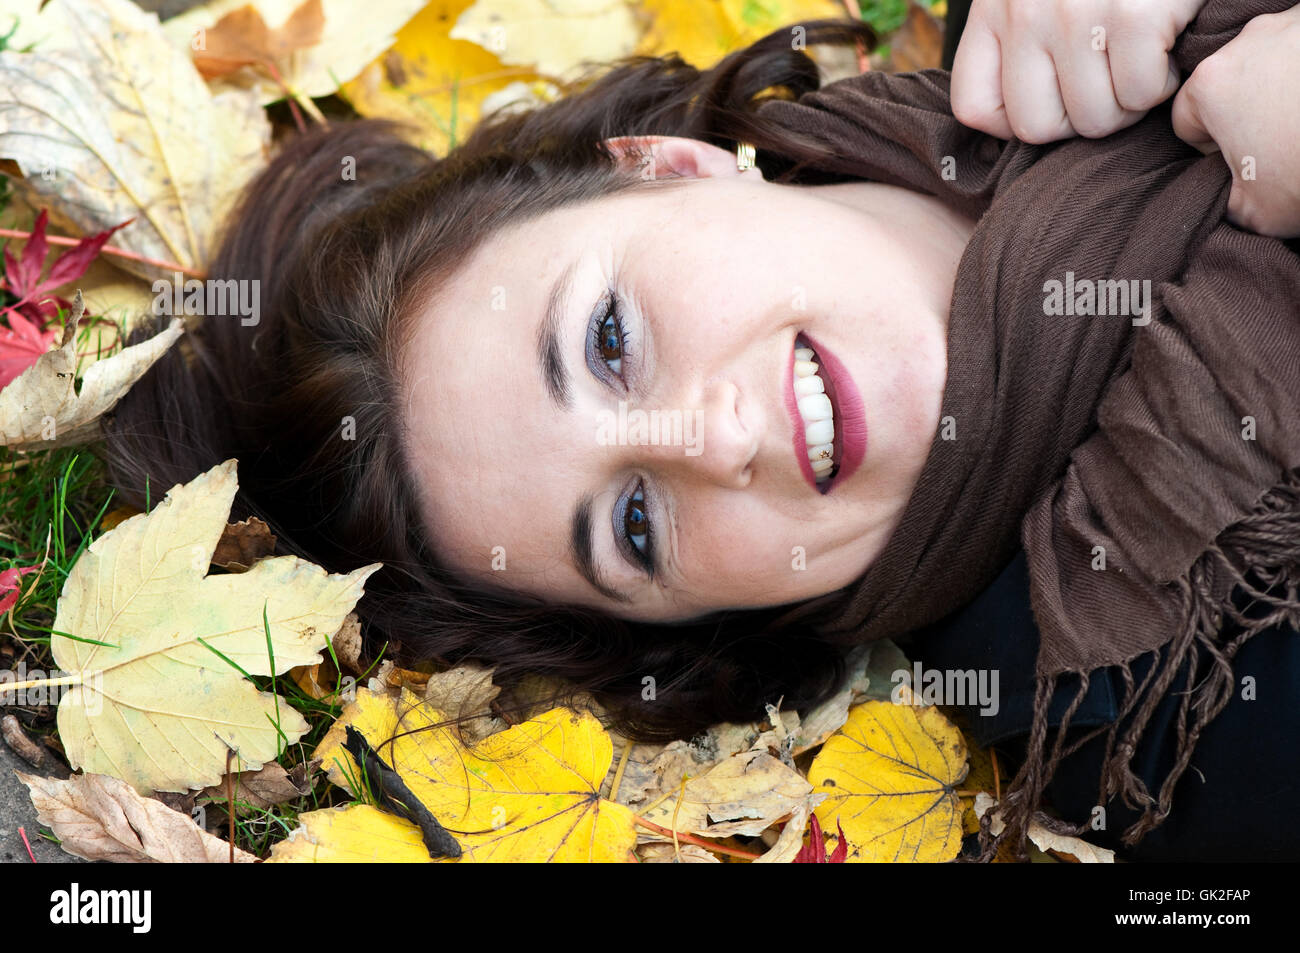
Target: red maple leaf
{"points": [[20, 345], [9, 585], [26, 338], [814, 852], [23, 276]]}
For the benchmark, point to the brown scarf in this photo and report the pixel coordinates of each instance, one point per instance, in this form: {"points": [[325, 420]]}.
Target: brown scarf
{"points": [[1147, 467]]}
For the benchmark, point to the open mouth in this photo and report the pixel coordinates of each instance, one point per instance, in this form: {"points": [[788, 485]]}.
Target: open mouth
{"points": [[829, 417], [814, 407]]}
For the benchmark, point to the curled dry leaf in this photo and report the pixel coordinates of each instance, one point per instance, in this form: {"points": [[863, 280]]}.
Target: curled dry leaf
{"points": [[243, 544], [258, 790], [653, 771], [102, 818], [685, 854], [158, 694], [42, 408], [466, 691], [347, 644], [745, 794], [116, 123], [790, 841], [1044, 839], [353, 33], [21, 744], [242, 38]]}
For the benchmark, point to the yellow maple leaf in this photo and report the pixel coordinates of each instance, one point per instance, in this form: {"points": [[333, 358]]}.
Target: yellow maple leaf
{"points": [[457, 59], [155, 653], [890, 778], [356, 834], [432, 80], [704, 32], [529, 793]]}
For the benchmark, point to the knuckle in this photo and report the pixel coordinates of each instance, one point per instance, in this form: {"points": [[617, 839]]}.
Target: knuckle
{"points": [[1033, 130]]}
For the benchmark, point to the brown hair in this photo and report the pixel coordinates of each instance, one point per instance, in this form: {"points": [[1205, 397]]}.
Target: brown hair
{"points": [[341, 263]]}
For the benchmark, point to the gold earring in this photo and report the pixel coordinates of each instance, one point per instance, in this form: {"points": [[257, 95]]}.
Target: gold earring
{"points": [[745, 156]]}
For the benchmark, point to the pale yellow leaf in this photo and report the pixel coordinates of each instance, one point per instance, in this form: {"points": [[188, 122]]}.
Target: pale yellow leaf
{"points": [[559, 38], [156, 706], [41, 408], [118, 126]]}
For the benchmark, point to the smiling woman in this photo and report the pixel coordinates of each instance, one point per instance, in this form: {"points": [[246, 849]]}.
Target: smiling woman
{"points": [[611, 403], [562, 321], [444, 343]]}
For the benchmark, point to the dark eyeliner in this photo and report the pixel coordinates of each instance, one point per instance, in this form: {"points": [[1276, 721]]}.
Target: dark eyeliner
{"points": [[646, 559], [608, 307]]}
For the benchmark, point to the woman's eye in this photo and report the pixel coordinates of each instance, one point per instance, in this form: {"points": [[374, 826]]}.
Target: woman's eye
{"points": [[636, 526], [609, 340]]}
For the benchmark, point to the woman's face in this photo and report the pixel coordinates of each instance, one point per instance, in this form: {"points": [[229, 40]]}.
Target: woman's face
{"points": [[602, 405]]}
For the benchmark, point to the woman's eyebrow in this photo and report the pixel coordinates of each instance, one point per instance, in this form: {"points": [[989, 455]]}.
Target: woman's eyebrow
{"points": [[549, 353], [580, 546]]}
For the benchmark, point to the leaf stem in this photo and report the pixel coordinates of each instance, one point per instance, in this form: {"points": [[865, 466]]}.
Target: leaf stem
{"points": [[107, 250], [38, 682], [697, 841]]}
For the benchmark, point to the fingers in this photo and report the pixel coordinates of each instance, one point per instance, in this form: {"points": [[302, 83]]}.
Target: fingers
{"points": [[1142, 73], [1189, 125], [1084, 71], [1044, 71], [1035, 109], [976, 90]]}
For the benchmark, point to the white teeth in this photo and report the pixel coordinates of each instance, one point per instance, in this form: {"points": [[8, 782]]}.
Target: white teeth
{"points": [[815, 407], [819, 431], [817, 412], [803, 386]]}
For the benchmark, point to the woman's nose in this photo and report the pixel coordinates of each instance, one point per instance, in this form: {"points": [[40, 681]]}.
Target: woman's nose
{"points": [[711, 436]]}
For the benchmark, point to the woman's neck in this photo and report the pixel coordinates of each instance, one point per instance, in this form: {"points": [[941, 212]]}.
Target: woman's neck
{"points": [[930, 229]]}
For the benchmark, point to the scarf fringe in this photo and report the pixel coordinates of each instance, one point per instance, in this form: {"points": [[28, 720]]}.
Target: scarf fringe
{"points": [[1258, 555]]}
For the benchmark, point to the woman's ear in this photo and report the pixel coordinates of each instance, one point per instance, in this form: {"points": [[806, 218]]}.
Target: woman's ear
{"points": [[673, 157]]}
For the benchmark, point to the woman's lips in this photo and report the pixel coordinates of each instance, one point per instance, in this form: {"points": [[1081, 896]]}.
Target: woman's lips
{"points": [[849, 415]]}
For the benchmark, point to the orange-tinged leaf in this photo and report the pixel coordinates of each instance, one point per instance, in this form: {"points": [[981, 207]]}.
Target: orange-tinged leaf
{"points": [[242, 38]]}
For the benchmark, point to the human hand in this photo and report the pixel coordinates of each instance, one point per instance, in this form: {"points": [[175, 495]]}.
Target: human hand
{"points": [[1242, 101], [1042, 70]]}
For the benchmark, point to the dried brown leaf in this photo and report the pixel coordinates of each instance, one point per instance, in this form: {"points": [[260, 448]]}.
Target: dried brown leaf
{"points": [[102, 818], [242, 38]]}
